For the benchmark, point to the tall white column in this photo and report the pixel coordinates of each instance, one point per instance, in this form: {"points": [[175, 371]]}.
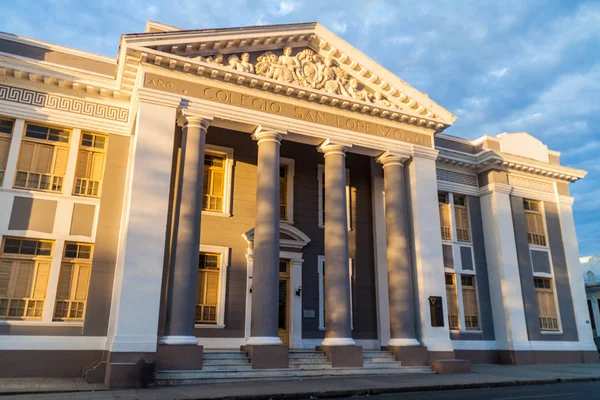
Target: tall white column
{"points": [[133, 324], [503, 269], [337, 274], [429, 262], [569, 236], [183, 274], [265, 278]]}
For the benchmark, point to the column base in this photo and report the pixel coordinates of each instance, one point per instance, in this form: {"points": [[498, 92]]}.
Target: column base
{"points": [[410, 356], [343, 356], [129, 370], [268, 356], [179, 357]]}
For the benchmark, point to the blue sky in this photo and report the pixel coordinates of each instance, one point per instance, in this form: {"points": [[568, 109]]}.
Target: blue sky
{"points": [[499, 66]]}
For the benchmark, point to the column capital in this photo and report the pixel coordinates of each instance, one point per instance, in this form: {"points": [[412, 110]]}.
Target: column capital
{"points": [[194, 119], [150, 96], [495, 187], [264, 133], [329, 147], [388, 158]]}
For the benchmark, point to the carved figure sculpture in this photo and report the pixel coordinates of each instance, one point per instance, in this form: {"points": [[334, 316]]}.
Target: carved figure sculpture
{"points": [[307, 68]]}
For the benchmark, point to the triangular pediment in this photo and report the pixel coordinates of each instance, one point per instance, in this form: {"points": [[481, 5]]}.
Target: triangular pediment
{"points": [[306, 61]]}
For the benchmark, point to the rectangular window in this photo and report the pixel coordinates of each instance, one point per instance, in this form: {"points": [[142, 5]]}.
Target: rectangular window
{"points": [[207, 295], [321, 200], [445, 222], [43, 156], [73, 282], [469, 299], [452, 298], [213, 187], [461, 216], [536, 234], [6, 127], [321, 273], [90, 165], [283, 192], [546, 302], [24, 272]]}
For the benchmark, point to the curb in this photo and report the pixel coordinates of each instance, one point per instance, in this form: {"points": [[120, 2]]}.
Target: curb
{"points": [[406, 389], [347, 393]]}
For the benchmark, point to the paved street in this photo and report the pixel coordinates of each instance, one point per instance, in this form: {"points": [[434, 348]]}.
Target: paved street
{"points": [[558, 391], [493, 381]]}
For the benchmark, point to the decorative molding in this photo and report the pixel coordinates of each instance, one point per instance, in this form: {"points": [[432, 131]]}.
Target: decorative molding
{"points": [[521, 181], [62, 103], [456, 177]]}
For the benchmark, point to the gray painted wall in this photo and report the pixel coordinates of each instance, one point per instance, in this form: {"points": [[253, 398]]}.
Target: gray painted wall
{"points": [[483, 285], [560, 273]]}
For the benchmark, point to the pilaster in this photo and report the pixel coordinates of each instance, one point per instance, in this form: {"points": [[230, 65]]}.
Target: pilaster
{"points": [[503, 269], [427, 252], [569, 236]]}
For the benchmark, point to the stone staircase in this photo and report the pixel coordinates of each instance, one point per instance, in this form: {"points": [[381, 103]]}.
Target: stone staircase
{"points": [[234, 366]]}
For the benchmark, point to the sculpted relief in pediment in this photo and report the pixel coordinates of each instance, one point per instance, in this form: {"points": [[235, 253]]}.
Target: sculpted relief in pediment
{"points": [[307, 68]]}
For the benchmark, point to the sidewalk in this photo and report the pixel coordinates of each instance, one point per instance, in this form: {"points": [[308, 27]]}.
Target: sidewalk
{"points": [[481, 376]]}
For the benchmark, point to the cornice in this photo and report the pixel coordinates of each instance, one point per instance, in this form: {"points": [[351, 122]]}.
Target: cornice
{"points": [[422, 152], [489, 159], [144, 95], [221, 73], [52, 76], [566, 200], [495, 188]]}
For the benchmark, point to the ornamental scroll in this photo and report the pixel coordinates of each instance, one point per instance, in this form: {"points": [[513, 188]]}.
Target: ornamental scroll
{"points": [[306, 68]]}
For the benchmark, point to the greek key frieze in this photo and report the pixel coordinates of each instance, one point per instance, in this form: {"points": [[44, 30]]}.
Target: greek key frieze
{"points": [[457, 177], [62, 103], [523, 182]]}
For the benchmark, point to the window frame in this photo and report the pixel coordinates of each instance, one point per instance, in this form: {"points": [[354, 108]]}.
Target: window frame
{"points": [[36, 259], [320, 184], [321, 280], [227, 152], [76, 263], [222, 288], [542, 214], [290, 165], [55, 145], [93, 150], [552, 279]]}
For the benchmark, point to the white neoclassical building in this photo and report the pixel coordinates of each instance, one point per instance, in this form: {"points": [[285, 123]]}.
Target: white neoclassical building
{"points": [[263, 195]]}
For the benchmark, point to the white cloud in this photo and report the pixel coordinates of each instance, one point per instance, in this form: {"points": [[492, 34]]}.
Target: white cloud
{"points": [[401, 39], [284, 8], [498, 73], [339, 27]]}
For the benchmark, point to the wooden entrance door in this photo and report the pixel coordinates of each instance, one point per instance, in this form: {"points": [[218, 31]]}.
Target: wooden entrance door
{"points": [[284, 297]]}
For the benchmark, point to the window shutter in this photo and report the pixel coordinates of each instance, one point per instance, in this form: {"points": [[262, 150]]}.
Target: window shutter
{"points": [[26, 156], [217, 183], [64, 282], [470, 301], [43, 159], [201, 287], [83, 279], [212, 288], [60, 162], [5, 273], [81, 169], [41, 281], [97, 167], [445, 215], [4, 148], [24, 279]]}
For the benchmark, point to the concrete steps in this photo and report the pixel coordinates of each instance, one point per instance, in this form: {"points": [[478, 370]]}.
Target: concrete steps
{"points": [[235, 366]]}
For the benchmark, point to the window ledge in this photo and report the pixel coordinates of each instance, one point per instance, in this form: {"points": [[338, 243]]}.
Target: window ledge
{"points": [[209, 326], [466, 331], [551, 332], [538, 247], [216, 214], [41, 323]]}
